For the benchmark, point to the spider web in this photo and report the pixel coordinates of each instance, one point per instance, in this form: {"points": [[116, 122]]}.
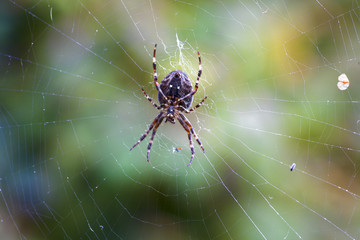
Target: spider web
{"points": [[71, 105]]}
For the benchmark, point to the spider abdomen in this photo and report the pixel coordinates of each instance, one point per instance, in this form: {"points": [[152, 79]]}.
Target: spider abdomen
{"points": [[175, 86]]}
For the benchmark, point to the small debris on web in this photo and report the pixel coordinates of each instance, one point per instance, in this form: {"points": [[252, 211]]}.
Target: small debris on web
{"points": [[176, 149], [292, 167], [343, 83]]}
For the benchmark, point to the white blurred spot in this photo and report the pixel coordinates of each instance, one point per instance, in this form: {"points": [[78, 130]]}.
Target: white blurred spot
{"points": [[51, 18], [343, 83]]}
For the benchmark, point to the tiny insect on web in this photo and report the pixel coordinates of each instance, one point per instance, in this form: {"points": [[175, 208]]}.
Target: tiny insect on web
{"points": [[175, 95], [176, 149], [292, 167]]}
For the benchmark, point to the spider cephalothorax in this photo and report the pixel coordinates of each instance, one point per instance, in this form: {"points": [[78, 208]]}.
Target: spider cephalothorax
{"points": [[175, 94]]}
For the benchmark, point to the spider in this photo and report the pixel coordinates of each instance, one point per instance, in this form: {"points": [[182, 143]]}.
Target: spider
{"points": [[175, 94]]}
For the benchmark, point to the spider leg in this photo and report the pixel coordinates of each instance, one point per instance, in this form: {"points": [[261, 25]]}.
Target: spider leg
{"points": [[157, 85], [199, 74], [198, 105], [197, 81], [152, 137], [183, 124], [149, 129], [192, 130], [150, 100]]}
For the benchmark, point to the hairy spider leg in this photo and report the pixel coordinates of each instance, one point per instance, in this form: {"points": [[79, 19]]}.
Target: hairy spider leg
{"points": [[197, 82], [192, 109], [150, 100], [199, 74], [192, 130], [190, 140], [152, 137], [157, 85], [149, 129]]}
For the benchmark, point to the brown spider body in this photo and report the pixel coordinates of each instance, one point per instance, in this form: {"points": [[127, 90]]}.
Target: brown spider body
{"points": [[175, 94], [175, 86]]}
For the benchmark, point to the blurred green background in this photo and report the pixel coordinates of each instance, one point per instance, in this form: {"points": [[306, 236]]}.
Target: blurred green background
{"points": [[71, 74]]}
